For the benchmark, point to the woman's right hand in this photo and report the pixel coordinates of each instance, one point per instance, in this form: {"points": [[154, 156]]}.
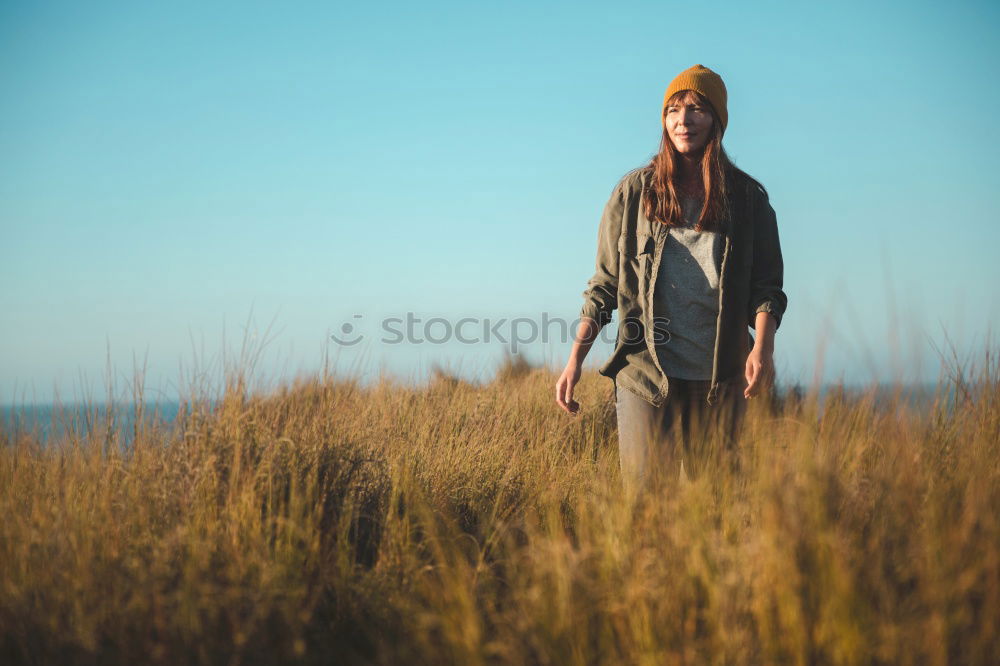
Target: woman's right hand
{"points": [[564, 388]]}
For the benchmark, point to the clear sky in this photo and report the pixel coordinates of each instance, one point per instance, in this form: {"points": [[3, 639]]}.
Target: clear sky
{"points": [[173, 170]]}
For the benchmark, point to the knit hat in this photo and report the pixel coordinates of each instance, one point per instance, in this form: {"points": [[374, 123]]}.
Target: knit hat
{"points": [[703, 80]]}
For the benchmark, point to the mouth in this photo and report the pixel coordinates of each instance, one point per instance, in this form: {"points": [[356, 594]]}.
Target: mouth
{"points": [[685, 136]]}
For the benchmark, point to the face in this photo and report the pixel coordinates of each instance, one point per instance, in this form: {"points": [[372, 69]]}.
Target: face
{"points": [[688, 124]]}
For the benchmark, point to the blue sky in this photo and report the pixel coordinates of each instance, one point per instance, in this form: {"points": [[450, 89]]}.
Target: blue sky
{"points": [[170, 171]]}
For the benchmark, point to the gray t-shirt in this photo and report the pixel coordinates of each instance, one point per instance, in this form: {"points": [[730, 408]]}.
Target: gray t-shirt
{"points": [[686, 298]]}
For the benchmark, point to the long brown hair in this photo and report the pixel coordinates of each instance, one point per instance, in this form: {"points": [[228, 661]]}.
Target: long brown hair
{"points": [[662, 201]]}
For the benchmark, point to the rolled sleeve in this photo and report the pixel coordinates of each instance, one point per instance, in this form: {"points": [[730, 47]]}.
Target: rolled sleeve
{"points": [[767, 274], [601, 295]]}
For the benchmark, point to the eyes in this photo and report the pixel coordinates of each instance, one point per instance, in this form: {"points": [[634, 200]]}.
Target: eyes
{"points": [[695, 108]]}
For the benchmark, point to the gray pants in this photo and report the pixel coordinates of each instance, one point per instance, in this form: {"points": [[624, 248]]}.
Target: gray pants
{"points": [[675, 440]]}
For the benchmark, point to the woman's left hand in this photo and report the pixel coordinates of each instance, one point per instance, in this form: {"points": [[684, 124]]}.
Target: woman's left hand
{"points": [[759, 371]]}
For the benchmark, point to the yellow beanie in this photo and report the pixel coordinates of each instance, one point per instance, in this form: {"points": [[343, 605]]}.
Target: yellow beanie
{"points": [[700, 79]]}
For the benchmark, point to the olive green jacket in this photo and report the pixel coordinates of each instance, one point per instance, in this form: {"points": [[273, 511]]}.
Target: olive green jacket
{"points": [[629, 247]]}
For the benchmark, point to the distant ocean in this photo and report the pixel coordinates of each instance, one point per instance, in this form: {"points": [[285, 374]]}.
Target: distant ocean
{"points": [[48, 421]]}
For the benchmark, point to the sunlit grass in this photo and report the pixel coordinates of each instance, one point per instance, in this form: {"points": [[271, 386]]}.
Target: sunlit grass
{"points": [[327, 522]]}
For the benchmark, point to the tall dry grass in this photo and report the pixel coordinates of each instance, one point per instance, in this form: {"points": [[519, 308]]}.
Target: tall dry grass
{"points": [[325, 522]]}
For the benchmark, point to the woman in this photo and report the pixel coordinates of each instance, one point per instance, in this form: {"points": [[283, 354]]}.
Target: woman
{"points": [[688, 253]]}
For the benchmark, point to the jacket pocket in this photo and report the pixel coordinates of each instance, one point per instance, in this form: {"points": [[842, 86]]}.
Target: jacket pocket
{"points": [[636, 254], [741, 250], [636, 247]]}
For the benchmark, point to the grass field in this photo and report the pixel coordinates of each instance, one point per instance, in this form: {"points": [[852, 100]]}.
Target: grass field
{"points": [[327, 522]]}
